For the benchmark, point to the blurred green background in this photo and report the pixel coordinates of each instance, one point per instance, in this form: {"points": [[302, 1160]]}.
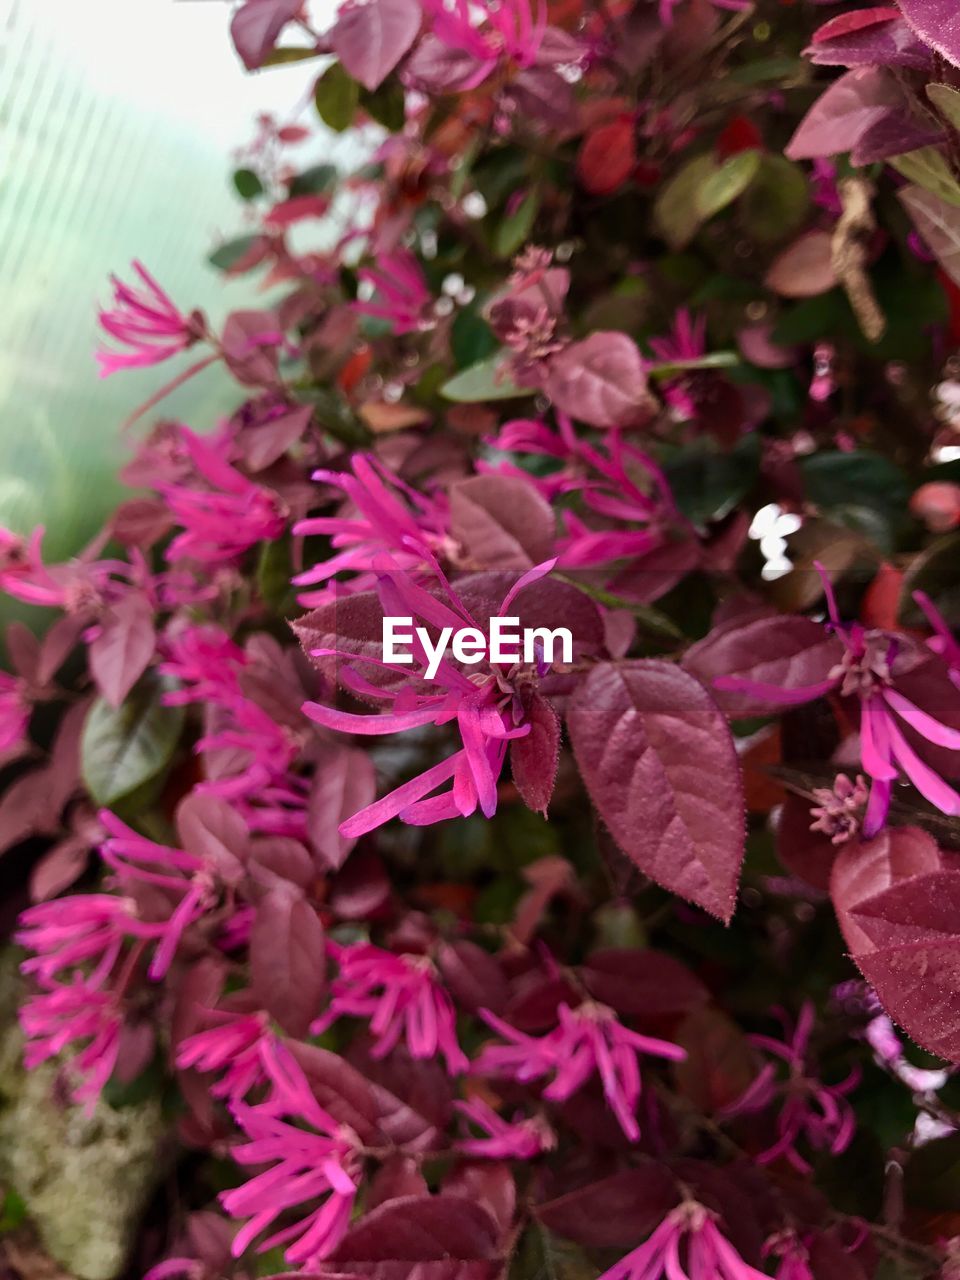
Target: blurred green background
{"points": [[117, 123]]}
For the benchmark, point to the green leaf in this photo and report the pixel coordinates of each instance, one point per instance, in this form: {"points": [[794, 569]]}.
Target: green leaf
{"points": [[543, 1256], [227, 255], [13, 1212], [515, 230], [707, 485], [483, 381], [124, 748], [947, 102], [835, 480], [471, 338], [337, 97], [928, 168], [777, 201], [315, 181], [650, 619], [292, 53], [274, 571], [720, 188], [675, 211], [386, 105], [248, 184], [712, 360], [767, 69]]}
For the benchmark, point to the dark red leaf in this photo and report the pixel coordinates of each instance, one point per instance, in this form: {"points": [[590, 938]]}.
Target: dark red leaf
{"points": [[808, 854], [339, 1088], [607, 156], [211, 827], [616, 1212], [123, 646], [501, 522], [864, 869], [473, 976], [534, 758], [646, 735], [344, 782], [937, 23], [287, 959], [787, 652], [370, 39], [642, 983], [256, 25], [844, 112], [601, 381], [250, 341]]}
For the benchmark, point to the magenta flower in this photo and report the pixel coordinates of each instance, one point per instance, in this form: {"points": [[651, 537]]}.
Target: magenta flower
{"points": [[145, 322], [511, 31], [868, 672], [233, 1046], [383, 515], [943, 641], [15, 712], [687, 1245], [487, 710], [74, 933], [57, 1019], [77, 586], [588, 1041], [838, 808], [687, 340], [221, 513], [816, 1112], [400, 998], [401, 294], [187, 882], [310, 1158], [522, 1139]]}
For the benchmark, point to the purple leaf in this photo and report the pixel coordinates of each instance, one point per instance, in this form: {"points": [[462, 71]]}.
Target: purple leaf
{"points": [[534, 758], [270, 440], [892, 135], [123, 647], [339, 1088], [642, 984], [879, 37], [865, 869], [842, 115], [807, 854], [256, 25], [501, 522], [473, 976], [418, 1229], [56, 646], [937, 23], [250, 340], [491, 1186], [414, 1096], [59, 868], [616, 1212], [211, 827], [601, 381], [287, 959], [646, 735], [281, 858], [784, 651], [436, 68], [371, 38], [344, 782], [24, 650]]}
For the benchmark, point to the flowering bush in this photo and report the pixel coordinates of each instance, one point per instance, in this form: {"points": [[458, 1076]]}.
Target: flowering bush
{"points": [[645, 326]]}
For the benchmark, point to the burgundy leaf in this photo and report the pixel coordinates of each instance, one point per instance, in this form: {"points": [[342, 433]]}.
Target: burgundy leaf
{"points": [[787, 652], [59, 868], [646, 735], [491, 1186], [211, 827], [601, 381], [24, 650], [398, 1176], [268, 441], [808, 854], [868, 37], [436, 68], [344, 782], [501, 522], [616, 1212], [417, 1229], [924, 908], [56, 646], [534, 758], [339, 1088], [256, 25], [473, 976], [371, 38], [141, 522], [278, 858], [805, 268], [720, 1063], [919, 986], [892, 135], [287, 959], [937, 23], [250, 341], [414, 1096], [642, 984], [123, 647], [864, 869], [842, 115]]}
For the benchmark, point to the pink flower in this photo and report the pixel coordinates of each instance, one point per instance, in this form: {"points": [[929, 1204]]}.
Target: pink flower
{"points": [[309, 1157], [383, 515], [73, 933], [78, 586], [144, 321], [221, 512], [15, 710], [187, 883], [517, 1140], [486, 708], [687, 1245], [401, 999], [57, 1019], [838, 808], [509, 31], [687, 340], [817, 1112], [234, 1047], [868, 672], [943, 641], [588, 1041], [401, 293]]}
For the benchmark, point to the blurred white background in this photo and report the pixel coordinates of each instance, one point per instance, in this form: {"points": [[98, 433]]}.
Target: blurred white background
{"points": [[117, 122]]}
